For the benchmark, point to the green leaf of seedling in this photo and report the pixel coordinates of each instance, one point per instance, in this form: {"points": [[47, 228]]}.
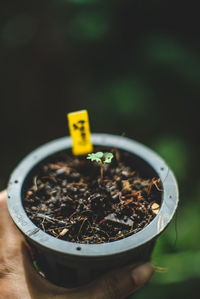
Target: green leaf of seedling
{"points": [[108, 157], [95, 157], [100, 157]]}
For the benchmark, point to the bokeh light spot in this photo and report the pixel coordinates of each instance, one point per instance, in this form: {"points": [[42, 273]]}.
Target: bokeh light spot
{"points": [[175, 56], [130, 97], [89, 26]]}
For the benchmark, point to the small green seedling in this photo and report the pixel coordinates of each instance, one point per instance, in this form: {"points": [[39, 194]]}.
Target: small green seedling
{"points": [[101, 158]]}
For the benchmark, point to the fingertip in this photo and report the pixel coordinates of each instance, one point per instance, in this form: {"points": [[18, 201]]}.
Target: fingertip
{"points": [[3, 195], [142, 274]]}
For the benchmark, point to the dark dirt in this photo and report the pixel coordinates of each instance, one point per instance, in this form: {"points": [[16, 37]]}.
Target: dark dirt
{"points": [[67, 198]]}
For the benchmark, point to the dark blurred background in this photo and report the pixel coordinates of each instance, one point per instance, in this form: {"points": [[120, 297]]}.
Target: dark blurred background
{"points": [[134, 65]]}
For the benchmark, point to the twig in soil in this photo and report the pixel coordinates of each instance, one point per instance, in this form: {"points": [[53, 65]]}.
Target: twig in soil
{"points": [[42, 224], [82, 225], [122, 235], [35, 183], [101, 230], [74, 213], [155, 183], [90, 226], [134, 194], [49, 218]]}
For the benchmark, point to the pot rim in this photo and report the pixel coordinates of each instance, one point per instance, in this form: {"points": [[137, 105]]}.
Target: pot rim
{"points": [[151, 231]]}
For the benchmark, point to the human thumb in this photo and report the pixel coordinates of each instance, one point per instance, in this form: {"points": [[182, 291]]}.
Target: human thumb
{"points": [[119, 284]]}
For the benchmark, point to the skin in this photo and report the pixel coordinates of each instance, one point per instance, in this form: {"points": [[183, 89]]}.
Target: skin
{"points": [[19, 279]]}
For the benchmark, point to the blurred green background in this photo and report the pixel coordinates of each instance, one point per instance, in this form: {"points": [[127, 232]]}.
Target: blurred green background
{"points": [[135, 66]]}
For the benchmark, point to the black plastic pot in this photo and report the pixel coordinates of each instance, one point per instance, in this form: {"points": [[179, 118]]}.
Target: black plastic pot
{"points": [[71, 264]]}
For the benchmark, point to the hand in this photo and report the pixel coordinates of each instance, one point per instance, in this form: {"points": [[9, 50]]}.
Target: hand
{"points": [[19, 279]]}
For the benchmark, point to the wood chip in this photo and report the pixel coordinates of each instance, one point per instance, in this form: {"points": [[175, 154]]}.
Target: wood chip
{"points": [[126, 186], [63, 232], [155, 208]]}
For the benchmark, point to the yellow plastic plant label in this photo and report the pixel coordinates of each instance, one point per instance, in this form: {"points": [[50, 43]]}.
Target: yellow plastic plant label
{"points": [[79, 129]]}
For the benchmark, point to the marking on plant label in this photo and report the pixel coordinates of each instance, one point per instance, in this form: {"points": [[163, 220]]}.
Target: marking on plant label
{"points": [[79, 129]]}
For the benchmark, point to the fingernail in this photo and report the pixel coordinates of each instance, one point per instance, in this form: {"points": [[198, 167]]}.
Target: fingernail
{"points": [[142, 274]]}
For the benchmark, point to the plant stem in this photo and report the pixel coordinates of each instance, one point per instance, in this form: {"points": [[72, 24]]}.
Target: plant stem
{"points": [[101, 170]]}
